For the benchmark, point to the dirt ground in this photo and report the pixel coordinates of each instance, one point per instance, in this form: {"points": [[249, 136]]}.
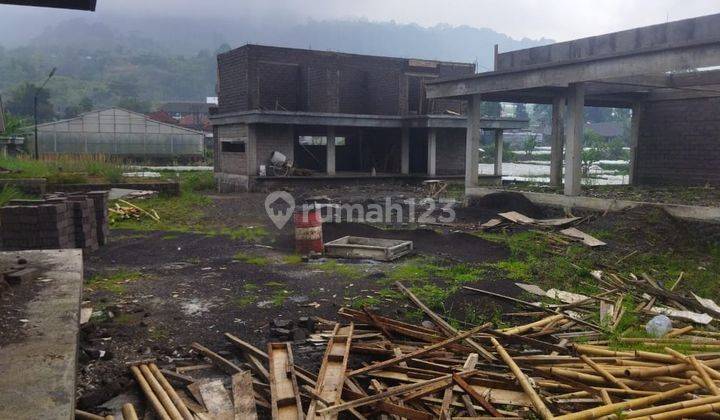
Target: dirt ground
{"points": [[155, 293]]}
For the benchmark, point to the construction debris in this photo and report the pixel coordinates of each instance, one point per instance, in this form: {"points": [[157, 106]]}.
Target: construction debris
{"points": [[513, 217], [559, 362], [130, 211]]}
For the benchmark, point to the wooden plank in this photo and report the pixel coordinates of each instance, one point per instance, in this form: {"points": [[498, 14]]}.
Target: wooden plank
{"points": [[583, 237], [222, 363], [444, 325], [243, 396], [285, 395], [416, 353], [216, 400], [476, 396], [332, 370], [518, 218]]}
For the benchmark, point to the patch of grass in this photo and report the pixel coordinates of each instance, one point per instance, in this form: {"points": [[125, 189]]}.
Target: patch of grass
{"points": [[243, 233], [258, 260], [183, 213], [158, 333], [347, 271], [292, 259], [245, 300], [170, 236], [10, 193], [64, 169], [114, 282], [279, 297]]}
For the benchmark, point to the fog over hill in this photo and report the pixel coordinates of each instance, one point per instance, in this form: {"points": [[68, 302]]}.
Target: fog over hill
{"points": [[111, 58]]}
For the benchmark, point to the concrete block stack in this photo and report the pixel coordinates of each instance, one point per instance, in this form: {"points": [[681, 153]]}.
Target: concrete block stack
{"points": [[83, 215], [38, 225], [58, 221], [100, 199]]}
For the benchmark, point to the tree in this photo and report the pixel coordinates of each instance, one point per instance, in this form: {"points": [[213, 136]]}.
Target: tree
{"points": [[13, 125], [134, 104], [22, 98], [491, 109], [529, 145], [521, 112]]}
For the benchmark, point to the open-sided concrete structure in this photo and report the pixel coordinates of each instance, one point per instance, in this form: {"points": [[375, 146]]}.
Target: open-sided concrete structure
{"points": [[339, 116], [663, 72]]}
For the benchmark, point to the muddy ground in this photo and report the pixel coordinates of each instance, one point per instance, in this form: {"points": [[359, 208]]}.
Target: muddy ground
{"points": [[155, 293]]}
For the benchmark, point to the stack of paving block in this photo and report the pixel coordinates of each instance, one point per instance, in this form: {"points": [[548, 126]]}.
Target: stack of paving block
{"points": [[60, 220], [100, 199], [84, 221], [36, 224]]}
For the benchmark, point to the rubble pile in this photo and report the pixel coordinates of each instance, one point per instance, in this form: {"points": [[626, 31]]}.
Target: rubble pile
{"points": [[569, 356]]}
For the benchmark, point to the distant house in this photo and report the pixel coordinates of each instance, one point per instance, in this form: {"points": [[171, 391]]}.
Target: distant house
{"points": [[118, 132], [180, 109], [162, 117]]}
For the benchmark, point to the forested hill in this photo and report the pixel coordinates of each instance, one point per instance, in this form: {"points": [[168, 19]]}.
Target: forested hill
{"points": [[138, 62]]}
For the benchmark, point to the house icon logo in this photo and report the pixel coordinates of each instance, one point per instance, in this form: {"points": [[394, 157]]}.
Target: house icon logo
{"points": [[279, 206]]}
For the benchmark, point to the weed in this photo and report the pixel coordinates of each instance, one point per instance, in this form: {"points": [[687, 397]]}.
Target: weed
{"points": [[347, 271], [114, 282], [258, 260], [9, 193], [292, 259]]}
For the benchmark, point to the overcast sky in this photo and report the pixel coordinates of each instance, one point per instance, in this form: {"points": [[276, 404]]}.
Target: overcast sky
{"points": [[555, 19]]}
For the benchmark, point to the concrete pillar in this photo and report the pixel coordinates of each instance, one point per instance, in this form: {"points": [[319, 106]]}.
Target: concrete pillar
{"points": [[498, 152], [557, 141], [472, 141], [405, 151], [251, 150], [432, 152], [330, 156], [634, 138], [575, 123]]}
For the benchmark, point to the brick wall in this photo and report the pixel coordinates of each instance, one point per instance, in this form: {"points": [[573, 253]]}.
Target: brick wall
{"points": [[450, 152], [254, 77], [679, 142], [271, 138], [230, 162]]}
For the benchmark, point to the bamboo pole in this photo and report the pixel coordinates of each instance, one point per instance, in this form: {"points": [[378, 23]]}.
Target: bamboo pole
{"points": [[128, 412], [184, 412], [84, 415], [670, 407], [635, 403], [685, 412], [149, 394], [537, 402], [679, 331], [160, 393], [604, 373], [541, 323]]}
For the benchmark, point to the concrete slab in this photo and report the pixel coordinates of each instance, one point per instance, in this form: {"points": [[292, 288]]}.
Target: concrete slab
{"points": [[38, 370], [684, 212]]}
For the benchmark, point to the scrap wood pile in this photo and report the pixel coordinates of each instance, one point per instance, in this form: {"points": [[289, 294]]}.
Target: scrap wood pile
{"points": [[555, 363], [566, 227], [124, 210]]}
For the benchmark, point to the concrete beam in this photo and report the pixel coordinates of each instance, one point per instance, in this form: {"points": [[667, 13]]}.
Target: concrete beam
{"points": [[251, 150], [575, 123], [498, 152], [330, 155], [472, 141], [557, 141], [634, 138], [432, 152], [639, 63], [405, 150]]}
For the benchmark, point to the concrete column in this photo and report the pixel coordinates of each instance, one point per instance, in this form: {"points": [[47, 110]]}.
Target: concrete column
{"points": [[330, 157], [498, 152], [405, 151], [634, 138], [557, 141], [472, 141], [575, 123], [432, 152], [251, 150]]}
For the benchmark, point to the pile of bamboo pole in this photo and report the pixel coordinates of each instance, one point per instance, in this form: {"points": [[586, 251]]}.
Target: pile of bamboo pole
{"points": [[567, 358]]}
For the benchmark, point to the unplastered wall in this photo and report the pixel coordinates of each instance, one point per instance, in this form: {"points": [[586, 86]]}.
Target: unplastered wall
{"points": [[679, 142], [231, 162], [271, 138], [450, 152]]}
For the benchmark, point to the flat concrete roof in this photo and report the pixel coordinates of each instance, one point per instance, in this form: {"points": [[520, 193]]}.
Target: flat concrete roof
{"points": [[38, 370], [362, 120], [657, 62]]}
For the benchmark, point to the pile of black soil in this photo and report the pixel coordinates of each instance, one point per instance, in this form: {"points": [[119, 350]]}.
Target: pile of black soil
{"points": [[488, 206], [649, 228], [456, 246]]}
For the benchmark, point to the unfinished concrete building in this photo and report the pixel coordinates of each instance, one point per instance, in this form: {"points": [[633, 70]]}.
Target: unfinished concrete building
{"points": [[663, 72], [338, 116]]}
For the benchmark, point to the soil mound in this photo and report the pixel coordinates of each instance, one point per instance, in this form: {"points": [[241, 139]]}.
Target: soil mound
{"points": [[501, 202]]}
